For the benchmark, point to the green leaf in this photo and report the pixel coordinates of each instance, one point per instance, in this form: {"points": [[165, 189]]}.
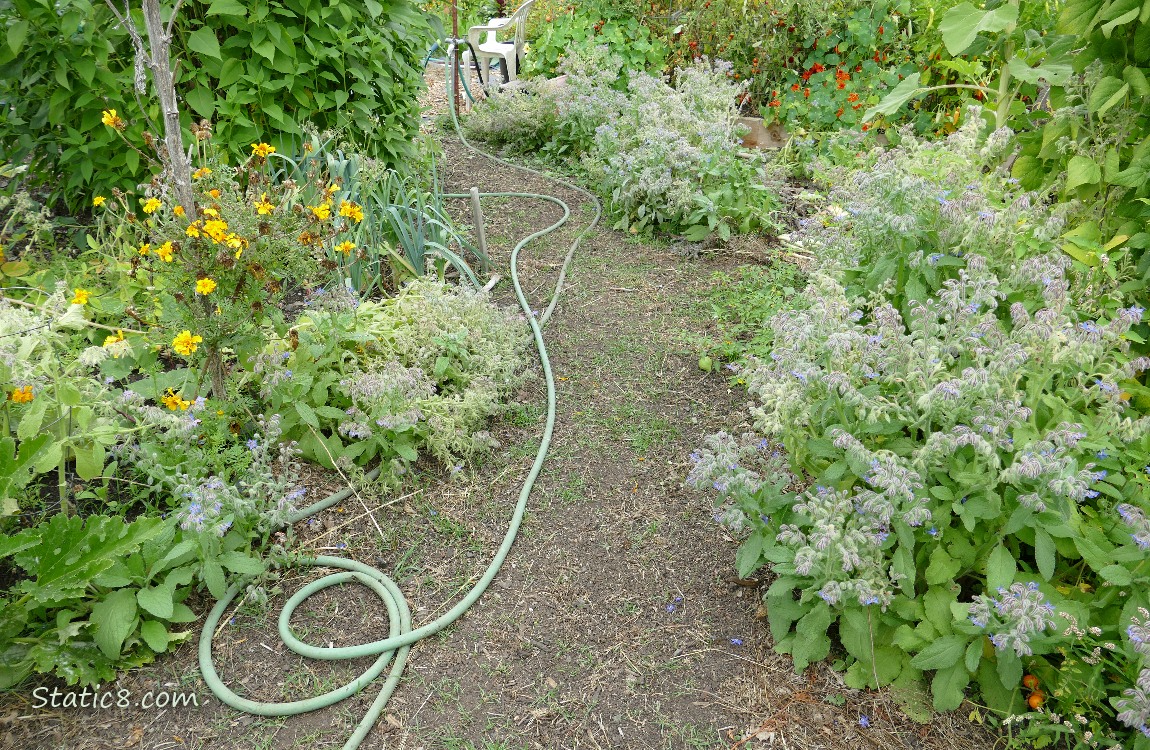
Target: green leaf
{"points": [[894, 101], [114, 619], [157, 600], [17, 33], [749, 556], [962, 24], [201, 100], [943, 652], [1053, 73], [1082, 170], [73, 550], [1116, 574], [1000, 568], [948, 685], [1107, 93], [155, 635], [811, 641], [203, 41], [1043, 553], [306, 414], [213, 576], [238, 562], [973, 655], [227, 8], [89, 460], [942, 567], [1136, 80], [1009, 668]]}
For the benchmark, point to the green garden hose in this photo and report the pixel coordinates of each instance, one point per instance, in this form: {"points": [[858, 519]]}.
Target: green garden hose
{"points": [[393, 649]]}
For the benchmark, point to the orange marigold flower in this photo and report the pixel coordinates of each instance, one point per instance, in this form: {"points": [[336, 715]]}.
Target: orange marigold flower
{"points": [[21, 395], [351, 210], [178, 210]]}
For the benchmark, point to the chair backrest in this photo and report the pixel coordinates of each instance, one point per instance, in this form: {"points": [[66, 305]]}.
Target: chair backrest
{"points": [[519, 18]]}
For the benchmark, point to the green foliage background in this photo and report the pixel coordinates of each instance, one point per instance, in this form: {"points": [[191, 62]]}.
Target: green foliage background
{"points": [[259, 71]]}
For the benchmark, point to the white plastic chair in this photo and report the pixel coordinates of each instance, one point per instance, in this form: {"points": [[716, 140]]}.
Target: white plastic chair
{"points": [[488, 49]]}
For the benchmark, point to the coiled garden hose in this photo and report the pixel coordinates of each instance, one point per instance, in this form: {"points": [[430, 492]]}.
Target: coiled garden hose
{"points": [[393, 650]]}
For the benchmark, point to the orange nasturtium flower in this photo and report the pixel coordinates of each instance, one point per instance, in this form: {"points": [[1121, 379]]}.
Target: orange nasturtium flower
{"points": [[185, 343], [21, 395], [152, 205], [81, 297], [262, 150], [351, 210], [205, 286]]}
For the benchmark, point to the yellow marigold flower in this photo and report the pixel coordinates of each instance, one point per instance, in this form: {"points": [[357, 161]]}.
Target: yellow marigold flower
{"points": [[185, 343], [210, 212], [178, 210], [332, 189], [112, 120], [217, 229], [214, 193], [173, 401], [205, 286], [264, 206], [193, 229], [345, 247], [98, 201], [152, 205], [164, 252], [351, 210], [262, 149], [81, 297], [115, 338], [200, 173], [145, 248], [21, 395], [322, 211]]}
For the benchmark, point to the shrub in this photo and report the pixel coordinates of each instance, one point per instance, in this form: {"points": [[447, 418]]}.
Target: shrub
{"points": [[420, 372], [260, 72], [662, 157], [961, 462]]}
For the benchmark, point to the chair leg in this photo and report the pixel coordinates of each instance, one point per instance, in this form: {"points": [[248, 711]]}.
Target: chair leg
{"points": [[510, 70]]}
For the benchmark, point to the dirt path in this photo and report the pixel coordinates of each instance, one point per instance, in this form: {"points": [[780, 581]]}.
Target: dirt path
{"points": [[615, 623]]}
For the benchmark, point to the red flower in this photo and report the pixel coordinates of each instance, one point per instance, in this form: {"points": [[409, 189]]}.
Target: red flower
{"points": [[795, 87], [876, 57], [839, 113], [858, 68], [880, 30], [819, 68], [806, 75], [774, 103], [866, 127], [806, 93], [856, 106], [852, 97], [842, 85]]}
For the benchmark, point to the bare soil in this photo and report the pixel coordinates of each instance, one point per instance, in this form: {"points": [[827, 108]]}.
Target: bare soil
{"points": [[617, 620]]}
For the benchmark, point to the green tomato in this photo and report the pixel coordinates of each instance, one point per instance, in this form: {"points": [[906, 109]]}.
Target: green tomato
{"points": [[705, 363]]}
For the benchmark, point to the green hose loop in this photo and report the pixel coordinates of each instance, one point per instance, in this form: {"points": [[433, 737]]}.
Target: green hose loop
{"points": [[393, 650]]}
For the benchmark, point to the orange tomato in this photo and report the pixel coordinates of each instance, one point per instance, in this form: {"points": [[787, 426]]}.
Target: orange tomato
{"points": [[1036, 699], [1030, 682]]}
